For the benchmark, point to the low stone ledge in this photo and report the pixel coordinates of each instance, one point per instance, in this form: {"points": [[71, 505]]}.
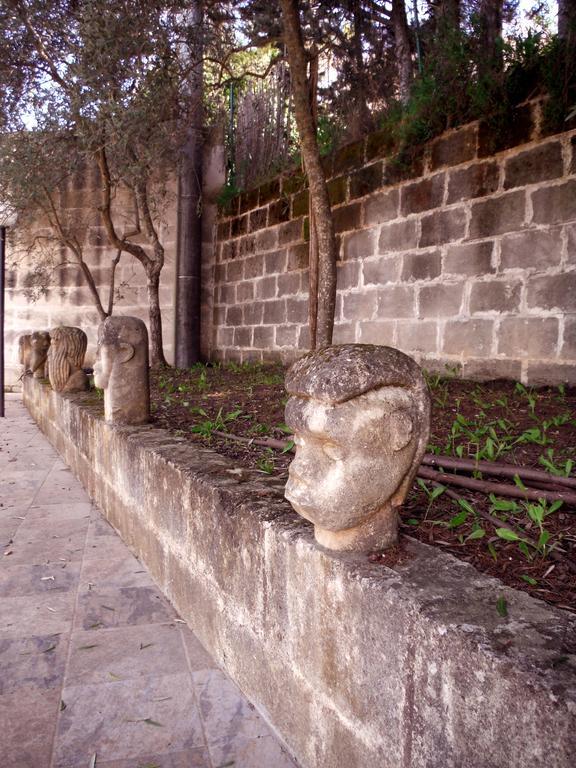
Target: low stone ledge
{"points": [[354, 664]]}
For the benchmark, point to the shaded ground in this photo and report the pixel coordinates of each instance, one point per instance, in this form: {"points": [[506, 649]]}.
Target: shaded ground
{"points": [[97, 667], [496, 421]]}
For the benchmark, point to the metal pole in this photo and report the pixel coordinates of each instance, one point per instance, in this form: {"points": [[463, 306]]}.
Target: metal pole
{"points": [[2, 281]]}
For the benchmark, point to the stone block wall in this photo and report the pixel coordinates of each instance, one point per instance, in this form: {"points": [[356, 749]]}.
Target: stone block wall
{"points": [[66, 299], [462, 255]]}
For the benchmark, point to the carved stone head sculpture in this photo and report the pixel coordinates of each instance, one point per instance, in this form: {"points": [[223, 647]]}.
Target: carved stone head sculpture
{"points": [[40, 344], [121, 370], [360, 415], [66, 358]]}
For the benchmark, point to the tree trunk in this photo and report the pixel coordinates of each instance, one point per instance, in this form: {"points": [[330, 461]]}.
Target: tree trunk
{"points": [[190, 204], [403, 49], [567, 20], [316, 179], [153, 286], [490, 61], [359, 120]]}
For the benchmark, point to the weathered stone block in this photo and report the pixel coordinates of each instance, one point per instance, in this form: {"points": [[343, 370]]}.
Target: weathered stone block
{"points": [[406, 165], [419, 336], [381, 270], [367, 180], [253, 267], [490, 370], [245, 291], [298, 256], [337, 190], [246, 246], [498, 215], [347, 217], [239, 226], [227, 294], [396, 301], [541, 163], [379, 144], [348, 275], [249, 200], [568, 351], [265, 287], [274, 312], [269, 191], [554, 292], [286, 335], [495, 296], [234, 271], [477, 180], [234, 316], [398, 236], [359, 245], [275, 262], [359, 306], [345, 333], [288, 284], [421, 266], [469, 259], [300, 204], [377, 332], [279, 211], [442, 227], [534, 248], [263, 337], [550, 373], [242, 337], [457, 147], [470, 338], [528, 337], [555, 204], [441, 300], [290, 232], [296, 310], [225, 337], [348, 157], [258, 219], [253, 313], [422, 195], [381, 207]]}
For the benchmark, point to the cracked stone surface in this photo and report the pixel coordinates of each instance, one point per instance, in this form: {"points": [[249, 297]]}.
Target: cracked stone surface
{"points": [[93, 659]]}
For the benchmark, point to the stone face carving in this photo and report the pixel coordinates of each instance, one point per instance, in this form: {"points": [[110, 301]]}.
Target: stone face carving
{"points": [[66, 358], [33, 350], [361, 418], [121, 370]]}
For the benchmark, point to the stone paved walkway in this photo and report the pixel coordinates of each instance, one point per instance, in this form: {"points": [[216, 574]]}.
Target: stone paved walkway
{"points": [[93, 660]]}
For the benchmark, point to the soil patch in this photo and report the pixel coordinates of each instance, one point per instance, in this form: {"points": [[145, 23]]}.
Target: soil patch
{"points": [[497, 421]]}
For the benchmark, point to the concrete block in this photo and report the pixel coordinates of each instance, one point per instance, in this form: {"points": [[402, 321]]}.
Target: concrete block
{"points": [[359, 245], [555, 204], [533, 249], [396, 301], [421, 266], [377, 332], [498, 215], [469, 259], [417, 336], [554, 292], [422, 195], [495, 296], [359, 306], [382, 269], [381, 207], [469, 338], [541, 163], [456, 147], [398, 236], [442, 227], [528, 337], [441, 300]]}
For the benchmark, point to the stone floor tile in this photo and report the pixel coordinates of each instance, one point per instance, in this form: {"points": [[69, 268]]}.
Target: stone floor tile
{"points": [[261, 752], [125, 571], [79, 510], [198, 656], [191, 758], [105, 547], [52, 527], [104, 607], [61, 485], [21, 580], [127, 720], [38, 549], [36, 662], [28, 719], [36, 614], [227, 715], [125, 653]]}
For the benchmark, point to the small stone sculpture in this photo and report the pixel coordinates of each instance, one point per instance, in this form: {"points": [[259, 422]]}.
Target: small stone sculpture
{"points": [[66, 358], [33, 349], [121, 370], [361, 418]]}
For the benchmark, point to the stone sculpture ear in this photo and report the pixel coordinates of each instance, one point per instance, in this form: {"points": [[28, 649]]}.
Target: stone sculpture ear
{"points": [[125, 352], [401, 428]]}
